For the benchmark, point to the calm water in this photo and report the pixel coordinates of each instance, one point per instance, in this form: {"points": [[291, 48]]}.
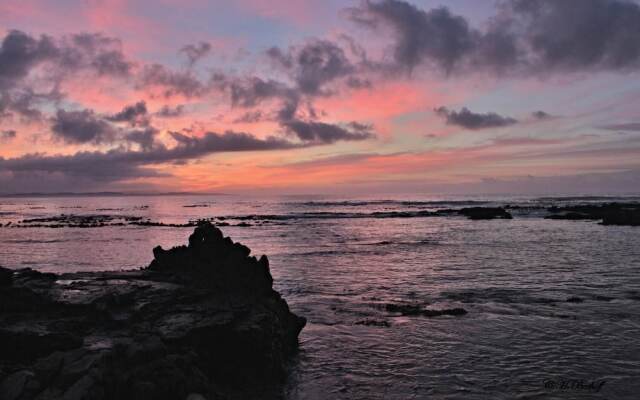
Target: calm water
{"points": [[338, 264]]}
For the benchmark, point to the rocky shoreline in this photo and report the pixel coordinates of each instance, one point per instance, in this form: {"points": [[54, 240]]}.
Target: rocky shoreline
{"points": [[201, 322]]}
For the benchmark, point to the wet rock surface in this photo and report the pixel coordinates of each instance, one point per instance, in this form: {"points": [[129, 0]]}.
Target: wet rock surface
{"points": [[202, 320]]}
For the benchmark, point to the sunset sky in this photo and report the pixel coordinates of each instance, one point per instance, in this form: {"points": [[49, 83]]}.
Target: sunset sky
{"points": [[535, 96]]}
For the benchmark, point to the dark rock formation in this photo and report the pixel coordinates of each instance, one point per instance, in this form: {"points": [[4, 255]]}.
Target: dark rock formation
{"points": [[485, 213], [572, 216], [416, 309], [609, 213], [201, 319], [630, 216]]}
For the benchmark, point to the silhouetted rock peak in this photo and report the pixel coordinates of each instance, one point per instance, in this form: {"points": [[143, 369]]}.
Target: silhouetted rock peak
{"points": [[213, 260]]}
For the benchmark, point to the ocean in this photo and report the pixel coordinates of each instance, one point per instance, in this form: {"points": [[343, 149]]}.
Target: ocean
{"points": [[553, 306]]}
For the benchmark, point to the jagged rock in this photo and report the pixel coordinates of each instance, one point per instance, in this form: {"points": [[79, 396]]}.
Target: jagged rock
{"points": [[202, 321]]}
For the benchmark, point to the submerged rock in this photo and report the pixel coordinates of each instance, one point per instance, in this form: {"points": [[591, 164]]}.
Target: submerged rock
{"points": [[202, 321]]}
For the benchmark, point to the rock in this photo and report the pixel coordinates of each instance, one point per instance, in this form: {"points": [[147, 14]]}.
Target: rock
{"points": [[416, 309], [609, 213], [13, 386], [572, 216], [6, 276], [373, 322], [477, 213], [623, 216], [201, 319]]}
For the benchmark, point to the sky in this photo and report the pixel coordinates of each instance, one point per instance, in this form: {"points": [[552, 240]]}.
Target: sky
{"points": [[345, 97]]}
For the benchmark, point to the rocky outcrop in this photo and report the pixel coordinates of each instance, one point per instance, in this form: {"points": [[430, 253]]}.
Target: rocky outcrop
{"points": [[202, 320], [623, 216], [609, 213]]}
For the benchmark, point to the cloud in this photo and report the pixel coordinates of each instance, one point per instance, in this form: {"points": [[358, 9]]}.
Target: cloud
{"points": [[81, 127], [135, 114], [580, 34], [100, 52], [320, 132], [172, 83], [435, 36], [145, 138], [195, 52], [525, 36], [631, 126], [314, 64], [170, 112], [7, 135], [470, 120], [250, 117], [120, 163], [541, 115], [27, 62], [251, 91], [20, 53]]}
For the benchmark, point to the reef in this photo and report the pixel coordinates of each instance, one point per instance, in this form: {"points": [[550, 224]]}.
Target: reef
{"points": [[201, 321]]}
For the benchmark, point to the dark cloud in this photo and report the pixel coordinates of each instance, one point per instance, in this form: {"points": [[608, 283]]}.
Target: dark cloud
{"points": [[631, 126], [145, 138], [170, 112], [525, 36], [135, 114], [470, 120], [55, 59], [249, 92], [322, 133], [81, 127], [19, 53], [541, 115], [580, 34], [358, 83], [102, 53], [435, 36], [120, 164], [195, 52], [7, 135], [26, 102], [183, 83], [250, 117], [193, 147], [313, 65]]}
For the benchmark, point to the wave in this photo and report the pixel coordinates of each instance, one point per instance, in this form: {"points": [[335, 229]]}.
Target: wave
{"points": [[405, 203], [33, 241], [401, 243], [329, 215]]}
